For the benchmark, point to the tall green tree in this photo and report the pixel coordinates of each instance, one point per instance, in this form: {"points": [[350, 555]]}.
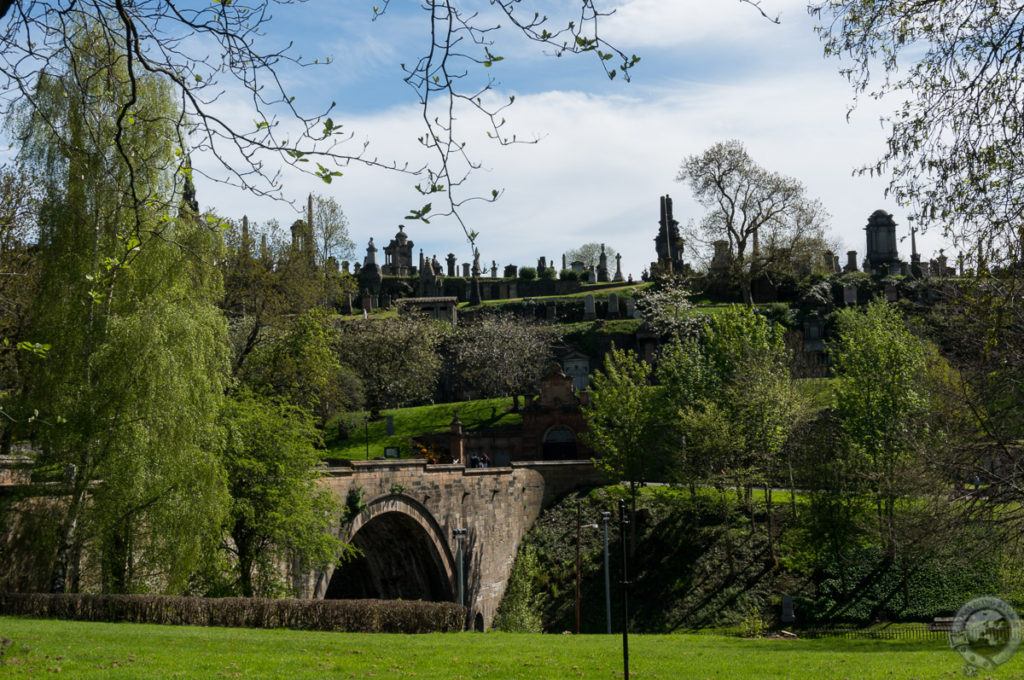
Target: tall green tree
{"points": [[882, 404], [279, 513], [19, 198], [736, 401], [624, 421], [298, 364], [127, 396]]}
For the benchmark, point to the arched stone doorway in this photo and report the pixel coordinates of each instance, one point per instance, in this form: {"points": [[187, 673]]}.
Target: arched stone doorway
{"points": [[403, 556], [559, 444]]}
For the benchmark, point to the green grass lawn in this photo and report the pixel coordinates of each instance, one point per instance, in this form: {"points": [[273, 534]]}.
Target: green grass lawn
{"points": [[103, 650], [418, 420]]}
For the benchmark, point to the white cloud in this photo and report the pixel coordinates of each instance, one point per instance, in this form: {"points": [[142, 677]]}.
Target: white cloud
{"points": [[603, 161], [661, 23]]}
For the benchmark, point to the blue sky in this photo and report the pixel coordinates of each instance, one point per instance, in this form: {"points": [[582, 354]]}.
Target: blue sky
{"points": [[710, 70]]}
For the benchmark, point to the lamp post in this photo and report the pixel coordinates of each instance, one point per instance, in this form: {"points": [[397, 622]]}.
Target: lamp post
{"points": [[605, 516], [459, 535], [577, 568], [623, 523]]}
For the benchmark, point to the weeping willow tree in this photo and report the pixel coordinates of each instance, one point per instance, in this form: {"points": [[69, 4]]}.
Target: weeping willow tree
{"points": [[123, 407]]}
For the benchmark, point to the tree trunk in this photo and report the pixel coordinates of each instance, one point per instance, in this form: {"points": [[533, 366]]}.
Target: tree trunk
{"points": [[69, 534], [770, 523]]}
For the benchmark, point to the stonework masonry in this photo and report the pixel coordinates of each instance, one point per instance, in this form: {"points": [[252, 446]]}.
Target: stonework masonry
{"points": [[411, 509]]}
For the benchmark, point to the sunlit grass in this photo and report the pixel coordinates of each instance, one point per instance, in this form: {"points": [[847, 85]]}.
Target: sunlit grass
{"points": [[103, 650], [418, 420]]}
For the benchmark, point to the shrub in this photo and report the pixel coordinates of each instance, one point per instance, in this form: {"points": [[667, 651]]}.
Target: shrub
{"points": [[519, 611], [348, 616], [527, 273], [547, 274], [568, 275]]}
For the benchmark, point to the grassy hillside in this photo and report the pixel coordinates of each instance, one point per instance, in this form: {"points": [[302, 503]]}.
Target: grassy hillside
{"points": [[410, 422], [703, 561]]}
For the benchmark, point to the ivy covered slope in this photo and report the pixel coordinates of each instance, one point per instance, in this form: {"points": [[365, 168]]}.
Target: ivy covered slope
{"points": [[703, 561]]}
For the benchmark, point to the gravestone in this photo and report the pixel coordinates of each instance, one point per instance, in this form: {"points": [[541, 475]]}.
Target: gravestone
{"points": [[602, 266], [578, 267], [787, 609], [465, 270], [511, 271], [494, 269], [895, 268], [618, 268], [589, 314], [630, 308], [881, 242], [513, 289], [814, 335], [451, 264], [850, 294], [851, 261], [613, 306], [592, 276], [344, 266], [892, 293]]}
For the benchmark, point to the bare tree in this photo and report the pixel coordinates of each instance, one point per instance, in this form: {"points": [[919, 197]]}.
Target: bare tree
{"points": [[750, 207], [330, 230], [212, 48], [589, 254], [955, 68]]}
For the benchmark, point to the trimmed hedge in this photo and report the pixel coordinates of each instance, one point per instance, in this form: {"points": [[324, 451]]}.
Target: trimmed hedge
{"points": [[348, 616]]}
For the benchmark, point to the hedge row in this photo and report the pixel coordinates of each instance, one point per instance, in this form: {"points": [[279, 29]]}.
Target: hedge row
{"points": [[349, 616]]}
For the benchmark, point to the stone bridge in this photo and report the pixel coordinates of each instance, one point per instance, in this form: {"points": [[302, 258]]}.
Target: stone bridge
{"points": [[405, 530]]}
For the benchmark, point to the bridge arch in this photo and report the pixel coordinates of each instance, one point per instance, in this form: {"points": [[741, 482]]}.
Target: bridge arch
{"points": [[404, 555]]}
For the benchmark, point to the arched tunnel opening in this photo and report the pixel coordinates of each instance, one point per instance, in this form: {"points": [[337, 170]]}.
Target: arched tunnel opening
{"points": [[398, 561]]}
